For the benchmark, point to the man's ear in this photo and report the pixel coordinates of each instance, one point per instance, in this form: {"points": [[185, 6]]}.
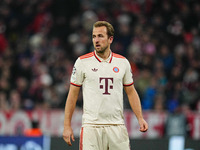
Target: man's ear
{"points": [[111, 39]]}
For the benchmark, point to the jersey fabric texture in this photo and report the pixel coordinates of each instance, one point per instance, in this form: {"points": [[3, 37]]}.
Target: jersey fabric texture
{"points": [[102, 83]]}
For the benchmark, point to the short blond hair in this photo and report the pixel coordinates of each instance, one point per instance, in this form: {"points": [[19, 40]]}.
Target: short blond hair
{"points": [[109, 27]]}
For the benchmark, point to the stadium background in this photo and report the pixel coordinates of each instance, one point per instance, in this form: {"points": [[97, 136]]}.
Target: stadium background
{"points": [[41, 39]]}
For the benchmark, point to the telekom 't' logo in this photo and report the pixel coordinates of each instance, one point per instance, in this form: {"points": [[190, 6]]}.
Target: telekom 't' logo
{"points": [[107, 85]]}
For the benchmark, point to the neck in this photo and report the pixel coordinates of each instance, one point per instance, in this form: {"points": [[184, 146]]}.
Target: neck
{"points": [[104, 55]]}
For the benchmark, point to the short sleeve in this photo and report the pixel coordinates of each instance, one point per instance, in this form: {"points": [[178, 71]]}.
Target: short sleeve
{"points": [[128, 76], [77, 75]]}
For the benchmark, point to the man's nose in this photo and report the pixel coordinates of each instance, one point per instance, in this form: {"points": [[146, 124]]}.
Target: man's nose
{"points": [[96, 40]]}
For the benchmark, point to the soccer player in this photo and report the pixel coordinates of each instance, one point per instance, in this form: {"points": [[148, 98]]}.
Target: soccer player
{"points": [[102, 75]]}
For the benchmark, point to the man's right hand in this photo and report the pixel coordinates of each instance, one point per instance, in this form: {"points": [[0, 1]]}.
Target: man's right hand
{"points": [[68, 135]]}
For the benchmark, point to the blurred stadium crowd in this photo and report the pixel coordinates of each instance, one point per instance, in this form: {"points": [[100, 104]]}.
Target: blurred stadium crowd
{"points": [[41, 39]]}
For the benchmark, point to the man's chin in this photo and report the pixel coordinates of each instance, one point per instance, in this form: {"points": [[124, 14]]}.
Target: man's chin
{"points": [[99, 50]]}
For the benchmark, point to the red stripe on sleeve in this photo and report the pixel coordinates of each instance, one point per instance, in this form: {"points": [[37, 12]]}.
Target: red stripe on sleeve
{"points": [[81, 139], [128, 84], [75, 84]]}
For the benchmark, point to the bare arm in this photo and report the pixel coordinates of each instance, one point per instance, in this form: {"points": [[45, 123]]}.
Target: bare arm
{"points": [[134, 101], [69, 109]]}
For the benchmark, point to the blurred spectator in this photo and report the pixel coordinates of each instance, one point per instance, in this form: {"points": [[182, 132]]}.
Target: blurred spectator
{"points": [[3, 40], [3, 102], [159, 103], [15, 101], [143, 81], [198, 106], [167, 58], [149, 95], [22, 87]]}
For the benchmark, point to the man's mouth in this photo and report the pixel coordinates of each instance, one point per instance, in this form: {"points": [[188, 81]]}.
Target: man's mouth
{"points": [[97, 45]]}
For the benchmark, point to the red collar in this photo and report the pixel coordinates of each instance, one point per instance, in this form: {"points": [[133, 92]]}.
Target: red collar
{"points": [[101, 59]]}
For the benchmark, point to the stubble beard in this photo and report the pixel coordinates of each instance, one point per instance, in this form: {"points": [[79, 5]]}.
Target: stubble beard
{"points": [[101, 50]]}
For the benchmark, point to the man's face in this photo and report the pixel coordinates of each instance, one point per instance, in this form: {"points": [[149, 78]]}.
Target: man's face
{"points": [[100, 39]]}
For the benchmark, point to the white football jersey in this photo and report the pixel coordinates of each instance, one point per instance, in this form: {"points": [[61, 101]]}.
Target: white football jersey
{"points": [[102, 83]]}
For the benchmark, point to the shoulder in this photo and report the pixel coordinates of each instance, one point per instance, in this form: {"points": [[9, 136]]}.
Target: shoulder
{"points": [[118, 56], [121, 59], [88, 55], [84, 58]]}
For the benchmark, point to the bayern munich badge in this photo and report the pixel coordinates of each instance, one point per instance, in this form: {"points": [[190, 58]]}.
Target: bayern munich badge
{"points": [[116, 70]]}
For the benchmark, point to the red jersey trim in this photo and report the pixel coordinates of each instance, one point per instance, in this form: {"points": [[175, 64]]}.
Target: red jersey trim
{"points": [[100, 60], [118, 56], [75, 84], [111, 57], [128, 84], [81, 140], [97, 57], [88, 55]]}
